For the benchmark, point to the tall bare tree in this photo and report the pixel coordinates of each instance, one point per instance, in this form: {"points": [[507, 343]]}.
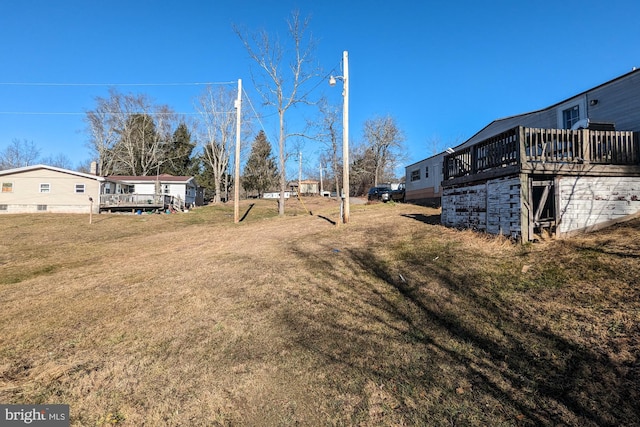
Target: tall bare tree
{"points": [[330, 135], [217, 132], [384, 139], [128, 133], [19, 154], [284, 71]]}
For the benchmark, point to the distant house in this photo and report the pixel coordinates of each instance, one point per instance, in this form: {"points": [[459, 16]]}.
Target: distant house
{"points": [[423, 181], [157, 191], [42, 188], [568, 168], [309, 187]]}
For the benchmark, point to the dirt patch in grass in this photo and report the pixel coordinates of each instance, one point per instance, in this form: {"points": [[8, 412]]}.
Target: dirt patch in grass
{"points": [[392, 319]]}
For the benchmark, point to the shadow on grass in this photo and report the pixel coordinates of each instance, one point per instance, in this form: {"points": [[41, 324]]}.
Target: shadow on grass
{"points": [[486, 363], [332, 222], [427, 219], [247, 212]]}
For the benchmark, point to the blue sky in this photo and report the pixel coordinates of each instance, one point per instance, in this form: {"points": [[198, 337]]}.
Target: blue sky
{"points": [[442, 69]]}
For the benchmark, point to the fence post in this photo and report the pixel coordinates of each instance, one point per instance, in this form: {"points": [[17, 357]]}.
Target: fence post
{"points": [[522, 151], [585, 135]]}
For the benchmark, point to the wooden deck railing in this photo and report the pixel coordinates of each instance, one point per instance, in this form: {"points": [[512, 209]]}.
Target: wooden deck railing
{"points": [[133, 200], [520, 146]]}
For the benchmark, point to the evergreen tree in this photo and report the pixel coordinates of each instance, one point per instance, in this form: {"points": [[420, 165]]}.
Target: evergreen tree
{"points": [[177, 156], [260, 172]]}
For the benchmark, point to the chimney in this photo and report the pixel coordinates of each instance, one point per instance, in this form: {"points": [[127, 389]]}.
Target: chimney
{"points": [[93, 169]]}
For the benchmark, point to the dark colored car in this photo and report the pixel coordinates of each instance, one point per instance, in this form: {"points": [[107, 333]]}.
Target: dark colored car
{"points": [[398, 194], [382, 194]]}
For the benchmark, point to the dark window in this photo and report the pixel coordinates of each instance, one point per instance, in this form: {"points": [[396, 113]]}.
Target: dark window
{"points": [[426, 172], [570, 116], [415, 175], [42, 207]]}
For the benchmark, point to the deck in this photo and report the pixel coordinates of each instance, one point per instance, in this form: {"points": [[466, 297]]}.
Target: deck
{"points": [[545, 152], [134, 201]]}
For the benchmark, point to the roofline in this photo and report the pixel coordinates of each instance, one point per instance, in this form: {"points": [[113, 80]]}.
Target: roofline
{"points": [[150, 178], [52, 168], [552, 106]]}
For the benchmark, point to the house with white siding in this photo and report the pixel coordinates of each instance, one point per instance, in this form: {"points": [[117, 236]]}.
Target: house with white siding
{"points": [[122, 192]]}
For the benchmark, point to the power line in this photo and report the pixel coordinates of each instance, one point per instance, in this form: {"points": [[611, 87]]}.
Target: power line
{"points": [[112, 84]]}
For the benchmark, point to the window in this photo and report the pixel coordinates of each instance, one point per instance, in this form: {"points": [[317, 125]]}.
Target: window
{"points": [[80, 188], [45, 188], [4, 207], [165, 188], [570, 116], [415, 175], [7, 187], [426, 172], [42, 208]]}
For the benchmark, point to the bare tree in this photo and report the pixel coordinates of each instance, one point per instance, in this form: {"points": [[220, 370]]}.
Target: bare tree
{"points": [[330, 135], [384, 139], [103, 124], [19, 154], [217, 132], [59, 161], [128, 133], [282, 80]]}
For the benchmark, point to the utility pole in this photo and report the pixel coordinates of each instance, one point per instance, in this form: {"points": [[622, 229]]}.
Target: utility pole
{"points": [[321, 186], [236, 179], [345, 137], [299, 172]]}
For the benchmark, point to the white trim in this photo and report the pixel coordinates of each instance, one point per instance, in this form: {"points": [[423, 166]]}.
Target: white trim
{"points": [[580, 102]]}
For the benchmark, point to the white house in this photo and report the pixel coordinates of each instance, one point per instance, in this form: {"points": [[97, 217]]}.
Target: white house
{"points": [[121, 192], [42, 188]]}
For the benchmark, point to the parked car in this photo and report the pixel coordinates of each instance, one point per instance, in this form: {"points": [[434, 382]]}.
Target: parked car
{"points": [[397, 195], [379, 193]]}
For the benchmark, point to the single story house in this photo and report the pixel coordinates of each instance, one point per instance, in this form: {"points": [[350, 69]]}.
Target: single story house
{"points": [[42, 188], [614, 104], [154, 191], [568, 168]]}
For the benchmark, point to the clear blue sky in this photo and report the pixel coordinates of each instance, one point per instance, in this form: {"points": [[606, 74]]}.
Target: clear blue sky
{"points": [[442, 69]]}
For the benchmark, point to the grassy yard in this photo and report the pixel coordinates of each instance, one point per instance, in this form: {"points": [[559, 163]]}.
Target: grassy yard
{"points": [[391, 320]]}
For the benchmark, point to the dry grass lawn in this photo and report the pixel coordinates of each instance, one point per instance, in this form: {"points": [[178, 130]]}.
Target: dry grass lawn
{"points": [[391, 320]]}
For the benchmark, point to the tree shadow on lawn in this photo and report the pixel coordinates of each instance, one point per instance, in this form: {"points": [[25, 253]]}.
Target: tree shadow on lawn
{"points": [[481, 361]]}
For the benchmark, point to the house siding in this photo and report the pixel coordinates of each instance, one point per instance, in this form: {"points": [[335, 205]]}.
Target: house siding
{"points": [[492, 206], [61, 198], [425, 190], [593, 202], [618, 102]]}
